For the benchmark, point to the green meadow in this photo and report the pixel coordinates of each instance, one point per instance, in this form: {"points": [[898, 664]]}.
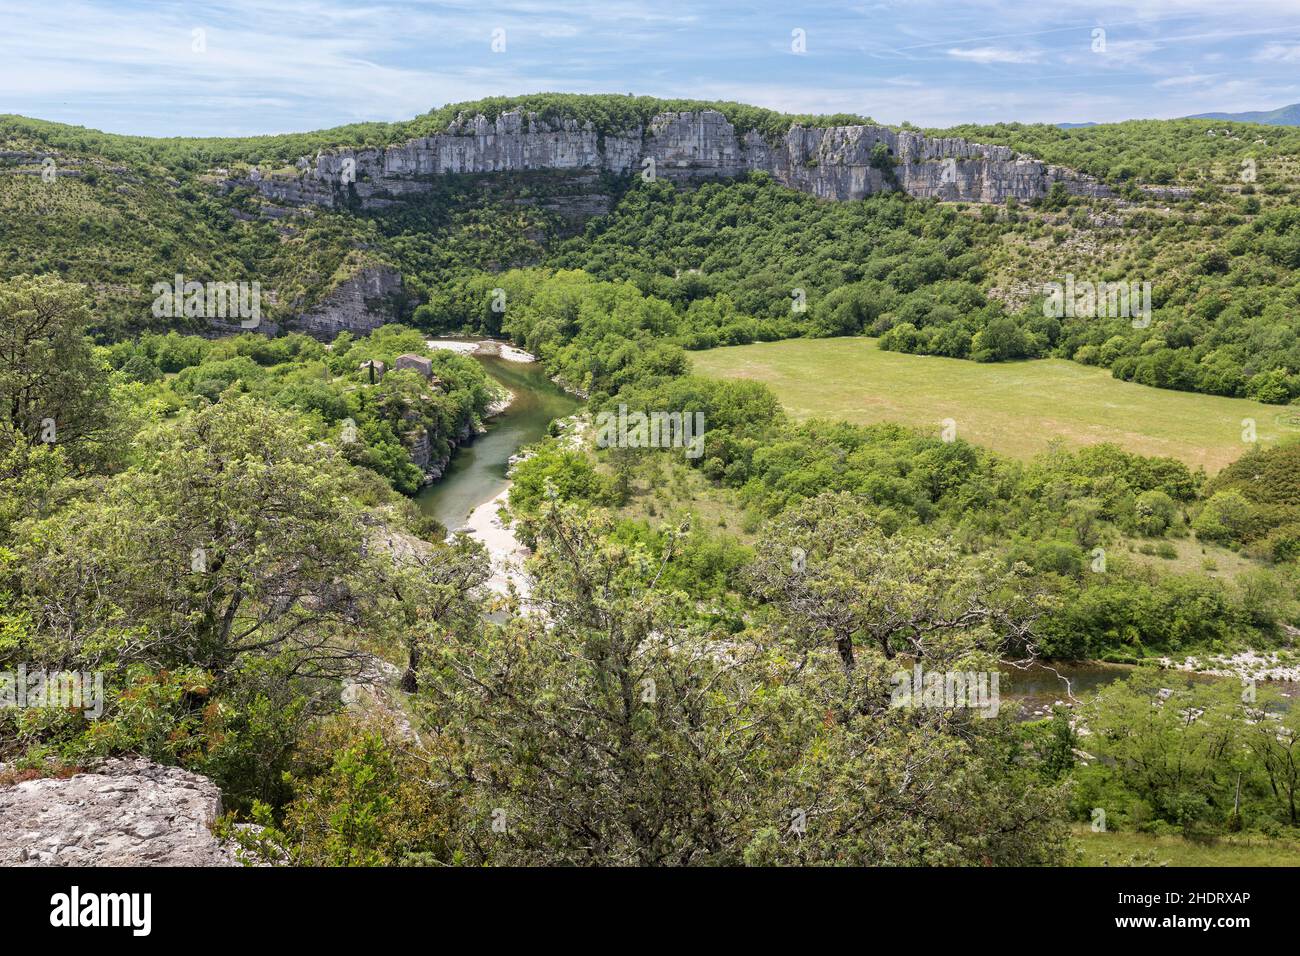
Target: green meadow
{"points": [[1016, 408], [1144, 849]]}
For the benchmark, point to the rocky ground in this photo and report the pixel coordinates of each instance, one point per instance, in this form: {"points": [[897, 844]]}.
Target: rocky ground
{"points": [[483, 347], [1248, 665], [506, 553], [504, 550], [500, 405], [124, 813], [377, 690]]}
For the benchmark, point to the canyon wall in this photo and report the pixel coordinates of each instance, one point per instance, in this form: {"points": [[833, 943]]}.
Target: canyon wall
{"points": [[359, 304], [832, 162]]}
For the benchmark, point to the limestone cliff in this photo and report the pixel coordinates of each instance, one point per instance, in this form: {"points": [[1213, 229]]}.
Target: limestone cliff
{"points": [[835, 162], [358, 304]]}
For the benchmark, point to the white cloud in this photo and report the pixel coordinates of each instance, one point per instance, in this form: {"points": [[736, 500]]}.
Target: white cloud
{"points": [[279, 65], [266, 67], [1129, 51], [1278, 53], [1193, 79], [991, 54]]}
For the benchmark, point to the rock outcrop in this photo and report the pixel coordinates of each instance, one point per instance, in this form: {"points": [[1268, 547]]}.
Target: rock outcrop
{"points": [[359, 304], [837, 162], [377, 688], [124, 813], [420, 452]]}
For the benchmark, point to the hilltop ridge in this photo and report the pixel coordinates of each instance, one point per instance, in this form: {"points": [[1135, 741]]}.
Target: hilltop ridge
{"points": [[355, 226], [1282, 116]]}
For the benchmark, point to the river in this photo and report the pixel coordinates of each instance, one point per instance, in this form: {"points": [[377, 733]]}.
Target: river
{"points": [[477, 472], [1039, 686]]}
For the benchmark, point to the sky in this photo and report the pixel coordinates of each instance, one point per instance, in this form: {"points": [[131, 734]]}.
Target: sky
{"points": [[242, 67]]}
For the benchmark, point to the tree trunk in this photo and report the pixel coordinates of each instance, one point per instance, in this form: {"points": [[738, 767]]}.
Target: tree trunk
{"points": [[845, 645], [411, 683]]}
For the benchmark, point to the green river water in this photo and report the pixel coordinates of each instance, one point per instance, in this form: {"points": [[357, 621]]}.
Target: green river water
{"points": [[477, 472]]}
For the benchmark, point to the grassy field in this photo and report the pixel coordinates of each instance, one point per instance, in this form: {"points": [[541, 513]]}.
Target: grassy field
{"points": [[665, 491], [1190, 557], [1016, 408], [1142, 849]]}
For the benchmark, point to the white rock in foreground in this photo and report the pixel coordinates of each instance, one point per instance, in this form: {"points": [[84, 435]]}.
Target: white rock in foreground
{"points": [[125, 813]]}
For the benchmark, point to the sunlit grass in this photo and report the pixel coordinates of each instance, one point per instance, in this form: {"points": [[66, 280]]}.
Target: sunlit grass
{"points": [[1016, 408], [1122, 848]]}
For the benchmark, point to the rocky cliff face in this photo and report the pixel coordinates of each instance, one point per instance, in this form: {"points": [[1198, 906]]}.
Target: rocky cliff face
{"points": [[125, 813], [417, 446], [833, 162], [360, 304]]}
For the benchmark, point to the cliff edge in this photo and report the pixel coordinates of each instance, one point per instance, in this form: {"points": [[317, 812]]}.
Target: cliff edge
{"points": [[834, 162]]}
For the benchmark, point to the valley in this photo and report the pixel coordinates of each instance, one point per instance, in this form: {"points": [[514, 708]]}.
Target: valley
{"points": [[478, 472], [907, 465]]}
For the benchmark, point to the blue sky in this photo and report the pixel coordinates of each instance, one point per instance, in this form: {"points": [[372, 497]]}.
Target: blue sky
{"points": [[132, 66]]}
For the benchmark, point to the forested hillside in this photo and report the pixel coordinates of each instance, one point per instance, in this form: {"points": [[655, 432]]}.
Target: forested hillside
{"points": [[748, 260], [702, 663], [1143, 151]]}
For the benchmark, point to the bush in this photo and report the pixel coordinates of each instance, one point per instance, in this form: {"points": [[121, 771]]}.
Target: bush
{"points": [[1227, 518]]}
